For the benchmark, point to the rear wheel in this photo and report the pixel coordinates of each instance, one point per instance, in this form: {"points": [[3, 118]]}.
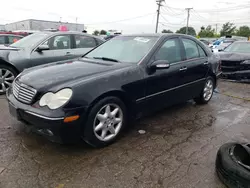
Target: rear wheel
{"points": [[207, 92], [105, 122], [7, 76]]}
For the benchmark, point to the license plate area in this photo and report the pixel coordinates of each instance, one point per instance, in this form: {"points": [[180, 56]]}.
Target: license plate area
{"points": [[13, 110]]}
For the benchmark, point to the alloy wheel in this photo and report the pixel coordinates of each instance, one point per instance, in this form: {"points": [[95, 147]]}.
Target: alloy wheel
{"points": [[108, 122], [208, 90], [6, 79]]}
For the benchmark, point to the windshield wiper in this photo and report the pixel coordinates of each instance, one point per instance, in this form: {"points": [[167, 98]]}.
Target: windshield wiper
{"points": [[107, 59]]}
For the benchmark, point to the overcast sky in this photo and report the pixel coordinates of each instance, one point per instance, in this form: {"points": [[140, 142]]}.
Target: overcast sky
{"points": [[106, 14]]}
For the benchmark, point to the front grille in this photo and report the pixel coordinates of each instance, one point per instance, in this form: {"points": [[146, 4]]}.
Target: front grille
{"points": [[23, 93], [230, 66], [230, 63]]}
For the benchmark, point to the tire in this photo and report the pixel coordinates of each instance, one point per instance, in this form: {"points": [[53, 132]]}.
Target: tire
{"points": [[202, 99], [4, 83], [95, 138], [229, 171]]}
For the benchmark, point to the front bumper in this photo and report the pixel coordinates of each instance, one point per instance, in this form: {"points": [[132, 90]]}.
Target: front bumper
{"points": [[237, 75], [48, 123]]}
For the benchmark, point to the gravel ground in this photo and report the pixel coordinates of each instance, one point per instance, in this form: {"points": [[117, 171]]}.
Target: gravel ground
{"points": [[178, 149]]}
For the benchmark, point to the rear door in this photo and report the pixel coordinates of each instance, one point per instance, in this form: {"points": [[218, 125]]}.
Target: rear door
{"points": [[194, 69], [60, 48], [83, 44]]}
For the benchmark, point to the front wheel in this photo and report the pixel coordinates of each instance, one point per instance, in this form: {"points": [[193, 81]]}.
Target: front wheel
{"points": [[105, 122], [207, 92], [7, 76]]}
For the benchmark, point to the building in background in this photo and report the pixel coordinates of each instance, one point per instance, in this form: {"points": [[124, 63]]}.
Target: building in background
{"points": [[41, 25], [2, 27]]}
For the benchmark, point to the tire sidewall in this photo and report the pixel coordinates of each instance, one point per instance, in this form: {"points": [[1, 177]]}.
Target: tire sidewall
{"points": [[225, 163], [202, 94], [10, 69], [88, 131]]}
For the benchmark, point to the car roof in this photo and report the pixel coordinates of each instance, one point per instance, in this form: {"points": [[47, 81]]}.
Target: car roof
{"points": [[67, 32], [11, 35], [242, 42], [156, 35]]}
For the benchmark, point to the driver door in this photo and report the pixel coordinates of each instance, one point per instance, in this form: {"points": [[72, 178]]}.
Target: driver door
{"points": [[60, 48], [163, 85]]}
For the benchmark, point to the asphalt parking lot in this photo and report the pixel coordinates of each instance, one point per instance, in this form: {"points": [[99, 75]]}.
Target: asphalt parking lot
{"points": [[178, 149]]}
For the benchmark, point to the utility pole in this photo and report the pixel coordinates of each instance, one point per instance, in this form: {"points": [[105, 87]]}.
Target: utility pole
{"points": [[188, 15], [216, 27], [76, 23], [158, 2]]}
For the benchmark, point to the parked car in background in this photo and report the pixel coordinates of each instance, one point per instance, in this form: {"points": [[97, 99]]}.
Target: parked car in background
{"points": [[223, 44], [42, 48], [235, 61], [7, 39], [124, 78], [205, 42]]}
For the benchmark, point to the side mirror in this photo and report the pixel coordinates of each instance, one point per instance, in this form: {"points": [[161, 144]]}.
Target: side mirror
{"points": [[42, 48], [160, 64]]}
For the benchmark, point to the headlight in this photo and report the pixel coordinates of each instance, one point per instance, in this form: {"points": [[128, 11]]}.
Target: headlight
{"points": [[56, 100], [246, 62]]}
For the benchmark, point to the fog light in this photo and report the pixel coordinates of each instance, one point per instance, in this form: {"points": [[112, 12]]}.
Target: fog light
{"points": [[71, 118]]}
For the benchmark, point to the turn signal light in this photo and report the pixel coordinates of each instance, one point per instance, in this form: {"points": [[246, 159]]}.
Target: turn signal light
{"points": [[71, 118]]}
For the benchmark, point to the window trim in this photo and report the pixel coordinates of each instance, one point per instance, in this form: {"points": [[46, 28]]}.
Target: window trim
{"points": [[201, 49], [185, 55], [152, 59], [34, 49]]}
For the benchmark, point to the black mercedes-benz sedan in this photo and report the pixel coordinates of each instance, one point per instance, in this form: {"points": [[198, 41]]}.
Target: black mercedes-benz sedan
{"points": [[129, 76], [235, 61], [41, 48]]}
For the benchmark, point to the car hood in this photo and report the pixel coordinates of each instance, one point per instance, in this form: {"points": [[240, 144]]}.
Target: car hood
{"points": [[66, 73], [229, 56]]}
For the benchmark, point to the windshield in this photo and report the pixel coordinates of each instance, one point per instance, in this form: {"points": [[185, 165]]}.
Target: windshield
{"points": [[241, 47], [29, 41], [123, 49]]}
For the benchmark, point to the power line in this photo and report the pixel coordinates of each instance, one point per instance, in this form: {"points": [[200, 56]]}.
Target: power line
{"points": [[239, 7], [133, 18]]}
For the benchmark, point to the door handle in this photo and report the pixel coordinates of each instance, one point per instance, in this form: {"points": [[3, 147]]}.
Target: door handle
{"points": [[205, 63], [183, 68], [68, 54]]}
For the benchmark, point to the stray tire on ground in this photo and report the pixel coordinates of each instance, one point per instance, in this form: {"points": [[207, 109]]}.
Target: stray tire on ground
{"points": [[232, 164]]}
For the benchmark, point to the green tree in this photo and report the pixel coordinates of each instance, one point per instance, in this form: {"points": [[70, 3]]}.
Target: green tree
{"points": [[96, 32], [243, 31], [227, 29], [191, 31], [167, 31], [103, 32], [206, 32]]}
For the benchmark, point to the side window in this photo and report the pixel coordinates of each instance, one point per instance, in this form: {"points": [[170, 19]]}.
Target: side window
{"points": [[170, 51], [13, 39], [85, 41], [2, 40], [190, 48], [99, 41], [59, 42], [201, 51]]}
